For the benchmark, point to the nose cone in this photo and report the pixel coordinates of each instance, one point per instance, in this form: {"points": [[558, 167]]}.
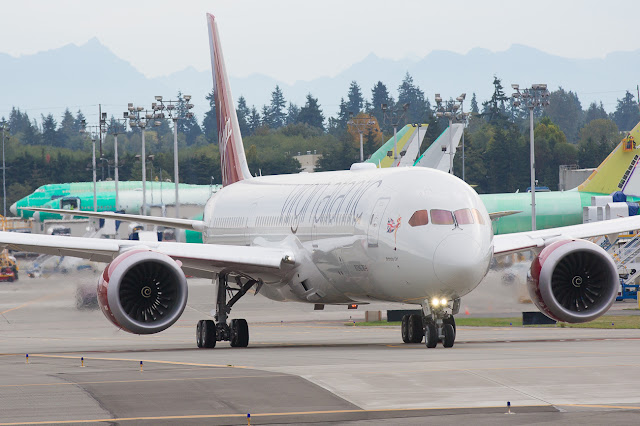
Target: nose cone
{"points": [[460, 263], [14, 209]]}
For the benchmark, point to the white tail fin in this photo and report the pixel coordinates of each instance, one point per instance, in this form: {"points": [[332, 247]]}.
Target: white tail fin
{"points": [[233, 162]]}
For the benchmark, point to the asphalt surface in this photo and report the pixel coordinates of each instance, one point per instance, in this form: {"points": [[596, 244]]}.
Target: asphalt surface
{"points": [[304, 366]]}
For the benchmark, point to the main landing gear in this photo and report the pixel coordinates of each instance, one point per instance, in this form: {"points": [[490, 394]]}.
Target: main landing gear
{"points": [[435, 324], [208, 332]]}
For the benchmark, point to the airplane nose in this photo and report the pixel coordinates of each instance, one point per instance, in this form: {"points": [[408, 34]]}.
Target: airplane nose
{"points": [[460, 262], [14, 209], [36, 216]]}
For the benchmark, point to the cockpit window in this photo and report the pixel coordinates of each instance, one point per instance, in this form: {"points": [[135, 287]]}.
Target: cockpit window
{"points": [[419, 218], [441, 217], [463, 217], [478, 216]]}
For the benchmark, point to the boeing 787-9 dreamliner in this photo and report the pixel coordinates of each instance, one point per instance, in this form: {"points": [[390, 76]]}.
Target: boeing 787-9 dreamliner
{"points": [[404, 234]]}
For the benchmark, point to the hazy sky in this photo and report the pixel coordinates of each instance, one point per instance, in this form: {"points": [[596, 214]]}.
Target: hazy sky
{"points": [[300, 40]]}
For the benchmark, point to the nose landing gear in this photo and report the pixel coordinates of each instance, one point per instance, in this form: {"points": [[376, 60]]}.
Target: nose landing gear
{"points": [[436, 324], [209, 332]]}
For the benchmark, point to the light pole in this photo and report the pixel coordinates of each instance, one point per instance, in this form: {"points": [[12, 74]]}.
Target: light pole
{"points": [[394, 118], [116, 127], [174, 114], [453, 111], [360, 124], [536, 96], [83, 129], [136, 119], [5, 128]]}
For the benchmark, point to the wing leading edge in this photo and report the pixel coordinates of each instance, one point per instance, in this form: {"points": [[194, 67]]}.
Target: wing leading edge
{"points": [[523, 241], [201, 260]]}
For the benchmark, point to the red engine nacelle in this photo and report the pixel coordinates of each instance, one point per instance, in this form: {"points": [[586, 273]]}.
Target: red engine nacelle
{"points": [[573, 281], [142, 291]]}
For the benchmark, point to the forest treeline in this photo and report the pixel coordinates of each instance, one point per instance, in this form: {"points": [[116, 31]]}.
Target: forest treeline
{"points": [[55, 150]]}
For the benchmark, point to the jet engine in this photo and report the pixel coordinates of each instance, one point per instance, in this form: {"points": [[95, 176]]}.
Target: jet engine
{"points": [[573, 281], [142, 291]]}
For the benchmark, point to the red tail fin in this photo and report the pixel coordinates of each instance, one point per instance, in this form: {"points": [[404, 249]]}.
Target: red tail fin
{"points": [[232, 159]]}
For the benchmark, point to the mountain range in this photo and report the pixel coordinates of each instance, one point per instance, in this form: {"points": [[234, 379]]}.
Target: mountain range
{"points": [[81, 77]]}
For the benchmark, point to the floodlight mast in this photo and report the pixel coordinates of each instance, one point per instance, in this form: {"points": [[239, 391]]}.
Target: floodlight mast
{"points": [[450, 110], [391, 115], [137, 119], [360, 124], [536, 96], [175, 115]]}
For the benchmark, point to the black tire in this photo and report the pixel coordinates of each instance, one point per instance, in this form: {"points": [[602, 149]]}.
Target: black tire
{"points": [[404, 329], [415, 328], [430, 335], [199, 333], [239, 333], [209, 334], [450, 320], [449, 335], [10, 279]]}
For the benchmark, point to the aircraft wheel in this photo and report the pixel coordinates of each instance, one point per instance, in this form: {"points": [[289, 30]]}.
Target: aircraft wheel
{"points": [[430, 335], [404, 329], [449, 335], [199, 333], [415, 330], [239, 333], [450, 320], [208, 334]]}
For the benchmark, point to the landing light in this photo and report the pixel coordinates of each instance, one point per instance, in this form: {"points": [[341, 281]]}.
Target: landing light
{"points": [[435, 302], [443, 302]]}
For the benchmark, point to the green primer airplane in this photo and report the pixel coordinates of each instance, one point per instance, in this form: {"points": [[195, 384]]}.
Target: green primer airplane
{"points": [[563, 208]]}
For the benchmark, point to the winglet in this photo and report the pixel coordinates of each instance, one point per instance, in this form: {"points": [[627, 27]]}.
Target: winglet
{"points": [[233, 161]]}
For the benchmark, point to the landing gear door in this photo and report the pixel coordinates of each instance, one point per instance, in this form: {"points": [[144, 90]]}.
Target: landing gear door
{"points": [[375, 221]]}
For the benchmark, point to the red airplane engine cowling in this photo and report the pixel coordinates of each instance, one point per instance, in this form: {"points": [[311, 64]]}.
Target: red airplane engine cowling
{"points": [[142, 291], [573, 281]]}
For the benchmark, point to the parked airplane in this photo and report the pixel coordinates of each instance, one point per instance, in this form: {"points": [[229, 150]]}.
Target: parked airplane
{"points": [[105, 191], [402, 234], [618, 172]]}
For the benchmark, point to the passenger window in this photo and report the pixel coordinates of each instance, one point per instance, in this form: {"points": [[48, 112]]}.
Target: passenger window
{"points": [[478, 216], [419, 218], [464, 217], [441, 217]]}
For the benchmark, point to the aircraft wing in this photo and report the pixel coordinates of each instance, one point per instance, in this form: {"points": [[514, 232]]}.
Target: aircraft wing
{"points": [[169, 222], [201, 260], [523, 241]]}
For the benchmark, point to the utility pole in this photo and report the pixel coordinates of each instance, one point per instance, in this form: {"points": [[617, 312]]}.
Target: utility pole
{"points": [[393, 116], [4, 168], [360, 123], [453, 111], [174, 114], [536, 96], [137, 119]]}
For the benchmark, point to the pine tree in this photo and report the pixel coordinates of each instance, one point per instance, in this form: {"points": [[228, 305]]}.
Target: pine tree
{"points": [[254, 120], [243, 112], [311, 113], [266, 116], [409, 93], [626, 115], [292, 114], [595, 112], [277, 108], [380, 95], [49, 132], [474, 104], [209, 123], [355, 100], [494, 109]]}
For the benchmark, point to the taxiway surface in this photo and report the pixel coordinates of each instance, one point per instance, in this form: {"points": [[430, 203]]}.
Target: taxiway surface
{"points": [[301, 366]]}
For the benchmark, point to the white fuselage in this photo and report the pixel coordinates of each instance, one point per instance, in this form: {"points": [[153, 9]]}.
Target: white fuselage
{"points": [[352, 235]]}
